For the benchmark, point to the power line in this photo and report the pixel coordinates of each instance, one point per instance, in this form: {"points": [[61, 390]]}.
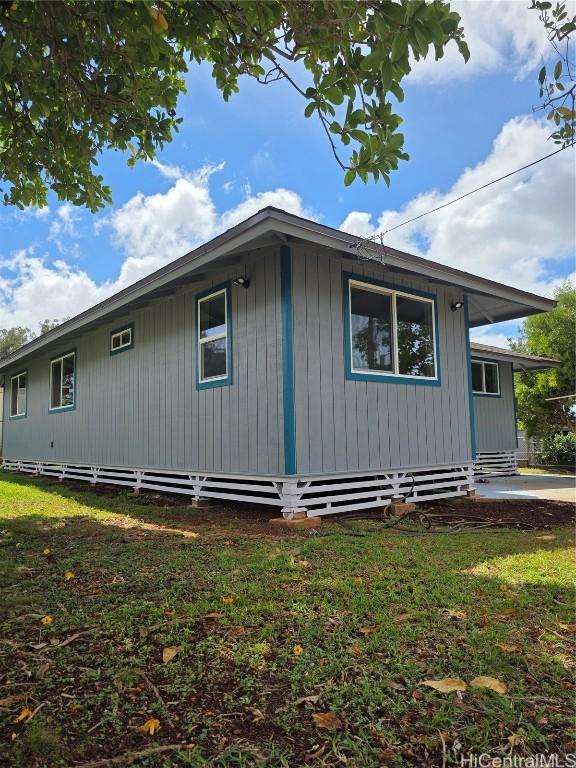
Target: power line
{"points": [[380, 235]]}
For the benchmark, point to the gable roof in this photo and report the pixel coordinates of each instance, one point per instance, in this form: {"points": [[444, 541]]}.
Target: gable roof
{"points": [[519, 360], [489, 301]]}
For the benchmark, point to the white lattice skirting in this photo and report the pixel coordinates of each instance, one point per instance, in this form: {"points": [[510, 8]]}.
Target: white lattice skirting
{"points": [[494, 463], [318, 494]]}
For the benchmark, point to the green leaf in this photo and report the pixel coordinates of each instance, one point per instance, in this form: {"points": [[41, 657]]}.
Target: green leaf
{"points": [[334, 94], [310, 108], [557, 70], [349, 177], [542, 75]]}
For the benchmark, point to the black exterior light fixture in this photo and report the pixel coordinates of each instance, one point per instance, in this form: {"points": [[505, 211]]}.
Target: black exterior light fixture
{"points": [[456, 306], [241, 282]]}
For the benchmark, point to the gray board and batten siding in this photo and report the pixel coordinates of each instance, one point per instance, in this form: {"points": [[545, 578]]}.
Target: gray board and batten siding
{"points": [[495, 414], [141, 408], [343, 425]]}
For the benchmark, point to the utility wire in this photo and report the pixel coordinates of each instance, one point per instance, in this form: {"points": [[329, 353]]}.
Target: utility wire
{"points": [[380, 235]]}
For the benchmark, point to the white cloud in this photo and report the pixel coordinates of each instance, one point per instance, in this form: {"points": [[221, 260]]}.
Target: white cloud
{"points": [[501, 35], [150, 230], [516, 231], [33, 290], [491, 339]]}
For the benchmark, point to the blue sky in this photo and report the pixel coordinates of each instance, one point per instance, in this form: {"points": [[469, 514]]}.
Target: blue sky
{"points": [[464, 124]]}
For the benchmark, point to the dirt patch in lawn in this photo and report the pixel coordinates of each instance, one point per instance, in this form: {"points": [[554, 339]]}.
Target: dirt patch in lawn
{"points": [[540, 514]]}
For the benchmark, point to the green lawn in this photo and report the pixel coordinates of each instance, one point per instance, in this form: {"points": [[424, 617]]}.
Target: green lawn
{"points": [[271, 629]]}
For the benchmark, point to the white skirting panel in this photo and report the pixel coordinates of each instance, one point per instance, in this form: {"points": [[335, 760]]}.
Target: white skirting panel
{"points": [[493, 463], [318, 494]]}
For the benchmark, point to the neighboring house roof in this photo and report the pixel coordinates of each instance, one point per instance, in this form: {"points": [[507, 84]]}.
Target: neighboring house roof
{"points": [[489, 301], [519, 360]]}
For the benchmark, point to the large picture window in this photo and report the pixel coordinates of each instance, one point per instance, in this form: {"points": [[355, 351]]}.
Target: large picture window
{"points": [[390, 333], [63, 382], [485, 377], [213, 337], [18, 393]]}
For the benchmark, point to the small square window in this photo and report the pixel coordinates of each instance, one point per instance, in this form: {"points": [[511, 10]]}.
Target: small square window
{"points": [[485, 377]]}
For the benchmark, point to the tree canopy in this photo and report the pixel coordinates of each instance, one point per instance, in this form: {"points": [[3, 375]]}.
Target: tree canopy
{"points": [[12, 339], [78, 77], [549, 335], [558, 83]]}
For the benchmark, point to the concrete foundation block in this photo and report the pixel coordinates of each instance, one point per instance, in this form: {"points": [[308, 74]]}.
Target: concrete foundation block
{"points": [[296, 522], [200, 503], [398, 508]]}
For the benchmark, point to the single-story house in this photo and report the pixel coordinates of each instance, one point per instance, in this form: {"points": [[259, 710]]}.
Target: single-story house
{"points": [[284, 362], [495, 405]]}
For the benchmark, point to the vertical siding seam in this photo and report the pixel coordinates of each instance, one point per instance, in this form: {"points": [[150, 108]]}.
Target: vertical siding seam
{"points": [[287, 360], [469, 366]]}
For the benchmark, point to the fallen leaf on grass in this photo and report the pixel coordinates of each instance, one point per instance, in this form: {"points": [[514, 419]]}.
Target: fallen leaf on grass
{"points": [[503, 588], [401, 618], [214, 615], [307, 700], [7, 701], [150, 726], [230, 600], [327, 720], [507, 648], [46, 620], [546, 538], [69, 575], [454, 614], [168, 654], [367, 629], [24, 714], [297, 650], [489, 682], [356, 650], [46, 552], [446, 685], [567, 627], [515, 740]]}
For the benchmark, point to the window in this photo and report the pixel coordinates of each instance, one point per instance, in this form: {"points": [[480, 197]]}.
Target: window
{"points": [[62, 381], [485, 378], [391, 333], [213, 334], [122, 339], [18, 386]]}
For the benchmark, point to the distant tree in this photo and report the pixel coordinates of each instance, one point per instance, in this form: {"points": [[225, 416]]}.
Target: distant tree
{"points": [[47, 325], [551, 335], [81, 76], [11, 339], [558, 84]]}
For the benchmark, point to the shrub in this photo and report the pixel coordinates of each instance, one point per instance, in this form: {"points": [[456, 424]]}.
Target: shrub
{"points": [[558, 449]]}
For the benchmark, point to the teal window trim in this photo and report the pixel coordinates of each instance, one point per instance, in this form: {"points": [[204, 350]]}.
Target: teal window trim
{"points": [[471, 409], [289, 408], [388, 378], [17, 416], [122, 329], [63, 408], [223, 381], [476, 359]]}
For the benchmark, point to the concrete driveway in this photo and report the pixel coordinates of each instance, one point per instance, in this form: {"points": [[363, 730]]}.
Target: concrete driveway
{"points": [[553, 487]]}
